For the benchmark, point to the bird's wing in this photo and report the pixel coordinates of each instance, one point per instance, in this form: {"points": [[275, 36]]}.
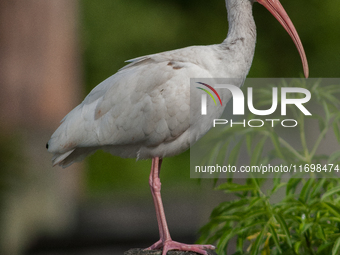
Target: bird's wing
{"points": [[145, 103]]}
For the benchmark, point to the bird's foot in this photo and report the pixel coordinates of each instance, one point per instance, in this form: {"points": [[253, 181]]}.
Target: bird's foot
{"points": [[172, 245], [157, 245]]}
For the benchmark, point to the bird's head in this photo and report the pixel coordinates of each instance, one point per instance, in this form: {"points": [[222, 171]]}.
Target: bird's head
{"points": [[275, 7]]}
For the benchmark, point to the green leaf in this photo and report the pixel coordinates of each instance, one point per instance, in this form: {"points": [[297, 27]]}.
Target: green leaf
{"points": [[333, 219], [332, 208], [321, 233], [324, 248], [226, 218], [336, 246], [275, 238], [234, 187], [257, 152], [306, 227], [206, 230], [275, 140], [334, 236], [256, 213], [292, 184], [279, 186], [306, 190], [225, 207], [240, 243], [254, 201], [250, 227], [330, 192], [284, 227], [297, 247], [326, 109], [255, 247], [318, 187], [234, 154], [223, 242], [321, 121]]}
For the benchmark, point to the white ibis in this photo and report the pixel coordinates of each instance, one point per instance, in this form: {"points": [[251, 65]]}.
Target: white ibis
{"points": [[142, 111]]}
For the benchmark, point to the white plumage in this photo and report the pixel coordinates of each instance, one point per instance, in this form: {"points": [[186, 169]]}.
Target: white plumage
{"points": [[142, 111]]}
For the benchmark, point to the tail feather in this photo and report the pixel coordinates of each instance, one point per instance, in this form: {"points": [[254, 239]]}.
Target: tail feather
{"points": [[59, 158], [68, 158]]}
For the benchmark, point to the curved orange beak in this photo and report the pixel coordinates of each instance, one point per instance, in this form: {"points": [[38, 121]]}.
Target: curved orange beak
{"points": [[275, 7]]}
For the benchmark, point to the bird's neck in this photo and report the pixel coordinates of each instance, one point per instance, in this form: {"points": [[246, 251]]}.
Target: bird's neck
{"points": [[241, 38], [240, 19]]}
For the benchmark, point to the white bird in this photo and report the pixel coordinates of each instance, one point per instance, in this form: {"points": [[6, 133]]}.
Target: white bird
{"points": [[142, 111]]}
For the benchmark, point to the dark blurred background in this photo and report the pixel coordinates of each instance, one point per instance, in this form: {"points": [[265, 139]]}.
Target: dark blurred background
{"points": [[52, 53]]}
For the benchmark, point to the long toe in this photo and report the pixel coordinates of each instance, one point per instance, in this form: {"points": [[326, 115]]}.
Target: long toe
{"points": [[157, 245], [172, 245]]}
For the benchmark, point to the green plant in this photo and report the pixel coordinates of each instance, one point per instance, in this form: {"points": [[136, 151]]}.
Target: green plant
{"points": [[307, 219]]}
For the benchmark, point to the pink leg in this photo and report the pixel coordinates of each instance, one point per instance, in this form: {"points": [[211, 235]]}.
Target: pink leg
{"points": [[158, 244], [165, 241]]}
